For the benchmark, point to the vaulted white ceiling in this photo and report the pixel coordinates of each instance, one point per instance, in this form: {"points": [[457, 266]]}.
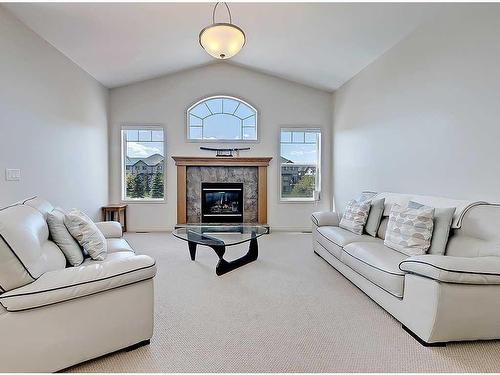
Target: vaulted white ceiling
{"points": [[319, 44]]}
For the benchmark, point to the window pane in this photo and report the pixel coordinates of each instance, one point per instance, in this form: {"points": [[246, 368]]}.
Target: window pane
{"points": [[311, 137], [144, 165], [243, 111], [201, 110], [298, 181], [132, 135], [286, 136], [195, 133], [299, 153], [298, 137], [215, 105], [229, 105], [222, 127], [249, 133], [195, 121], [144, 135], [250, 121], [157, 135]]}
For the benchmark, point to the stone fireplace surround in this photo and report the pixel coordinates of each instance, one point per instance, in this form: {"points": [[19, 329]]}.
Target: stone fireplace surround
{"points": [[192, 171]]}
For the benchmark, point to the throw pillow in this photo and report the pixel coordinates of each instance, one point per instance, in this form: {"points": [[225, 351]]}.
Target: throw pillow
{"points": [[355, 216], [374, 217], [61, 236], [83, 229], [409, 230], [443, 217]]}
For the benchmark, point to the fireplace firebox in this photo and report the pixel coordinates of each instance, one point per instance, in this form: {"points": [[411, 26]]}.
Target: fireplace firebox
{"points": [[221, 202]]}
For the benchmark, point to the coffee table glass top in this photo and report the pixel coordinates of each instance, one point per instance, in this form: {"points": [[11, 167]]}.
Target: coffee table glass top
{"points": [[216, 235]]}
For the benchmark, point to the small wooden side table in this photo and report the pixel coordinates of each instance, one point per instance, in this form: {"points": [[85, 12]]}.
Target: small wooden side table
{"points": [[113, 212]]}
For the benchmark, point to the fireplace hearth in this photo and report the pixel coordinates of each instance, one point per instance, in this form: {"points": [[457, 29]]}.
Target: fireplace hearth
{"points": [[221, 202]]}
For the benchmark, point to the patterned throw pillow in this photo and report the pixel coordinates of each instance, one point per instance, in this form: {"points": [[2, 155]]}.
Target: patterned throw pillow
{"points": [[355, 216], [409, 230], [83, 229]]}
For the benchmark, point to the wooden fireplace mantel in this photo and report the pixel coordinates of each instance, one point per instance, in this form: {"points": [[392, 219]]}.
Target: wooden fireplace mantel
{"points": [[182, 162], [222, 161]]}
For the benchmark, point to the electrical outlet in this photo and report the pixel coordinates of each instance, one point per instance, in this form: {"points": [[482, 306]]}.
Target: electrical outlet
{"points": [[12, 174]]}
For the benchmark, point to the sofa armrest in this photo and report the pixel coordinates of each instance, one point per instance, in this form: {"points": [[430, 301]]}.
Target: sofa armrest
{"points": [[110, 229], [458, 270], [326, 218]]}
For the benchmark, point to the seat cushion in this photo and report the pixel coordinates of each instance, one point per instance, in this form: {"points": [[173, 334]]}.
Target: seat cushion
{"points": [[377, 263], [118, 244], [119, 269], [342, 237]]}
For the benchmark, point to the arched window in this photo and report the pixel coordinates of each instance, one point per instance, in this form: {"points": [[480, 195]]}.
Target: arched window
{"points": [[222, 118]]}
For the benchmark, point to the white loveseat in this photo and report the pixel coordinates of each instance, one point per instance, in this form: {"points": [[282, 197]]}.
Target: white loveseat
{"points": [[437, 298], [53, 316]]}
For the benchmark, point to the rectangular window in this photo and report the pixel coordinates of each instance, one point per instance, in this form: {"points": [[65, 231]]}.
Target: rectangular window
{"points": [[143, 163], [300, 154]]}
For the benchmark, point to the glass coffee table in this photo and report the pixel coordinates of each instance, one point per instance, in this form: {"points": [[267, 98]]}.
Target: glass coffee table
{"points": [[218, 237]]}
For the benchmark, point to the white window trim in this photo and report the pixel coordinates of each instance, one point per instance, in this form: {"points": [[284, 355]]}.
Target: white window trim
{"points": [[318, 166], [123, 187], [256, 140]]}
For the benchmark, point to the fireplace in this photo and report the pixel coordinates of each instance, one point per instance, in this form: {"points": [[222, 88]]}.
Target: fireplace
{"points": [[221, 202]]}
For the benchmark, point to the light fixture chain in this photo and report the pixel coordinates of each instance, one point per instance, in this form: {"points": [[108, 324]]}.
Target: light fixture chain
{"points": [[228, 12]]}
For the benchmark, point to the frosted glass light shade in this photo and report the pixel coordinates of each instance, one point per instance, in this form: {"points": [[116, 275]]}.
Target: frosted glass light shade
{"points": [[222, 40]]}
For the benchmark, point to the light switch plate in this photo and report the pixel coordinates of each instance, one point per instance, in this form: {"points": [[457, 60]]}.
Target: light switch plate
{"points": [[12, 174]]}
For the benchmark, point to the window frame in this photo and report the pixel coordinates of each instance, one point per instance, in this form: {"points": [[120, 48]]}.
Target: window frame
{"points": [[123, 184], [318, 164], [250, 141]]}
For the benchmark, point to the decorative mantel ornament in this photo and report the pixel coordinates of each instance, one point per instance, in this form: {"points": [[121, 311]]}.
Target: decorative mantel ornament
{"points": [[226, 152]]}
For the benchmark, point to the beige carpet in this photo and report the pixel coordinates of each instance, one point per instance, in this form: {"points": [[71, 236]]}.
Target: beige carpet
{"points": [[287, 312]]}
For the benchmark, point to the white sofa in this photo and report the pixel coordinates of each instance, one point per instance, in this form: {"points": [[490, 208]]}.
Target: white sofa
{"points": [[437, 298], [53, 316]]}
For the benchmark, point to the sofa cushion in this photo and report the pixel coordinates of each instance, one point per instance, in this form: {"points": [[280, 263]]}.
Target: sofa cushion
{"points": [[355, 216], [342, 237], [377, 263], [13, 274], [25, 235], [41, 205], [123, 268], [410, 229], [118, 244]]}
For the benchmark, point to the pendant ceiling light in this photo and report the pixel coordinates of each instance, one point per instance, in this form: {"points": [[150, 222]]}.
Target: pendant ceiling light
{"points": [[222, 40]]}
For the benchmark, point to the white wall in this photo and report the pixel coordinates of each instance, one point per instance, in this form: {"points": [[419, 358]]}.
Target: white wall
{"points": [[425, 117], [165, 100], [53, 123]]}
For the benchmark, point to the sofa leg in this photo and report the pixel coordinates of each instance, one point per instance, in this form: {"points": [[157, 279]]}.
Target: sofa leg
{"points": [[137, 346], [422, 342]]}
